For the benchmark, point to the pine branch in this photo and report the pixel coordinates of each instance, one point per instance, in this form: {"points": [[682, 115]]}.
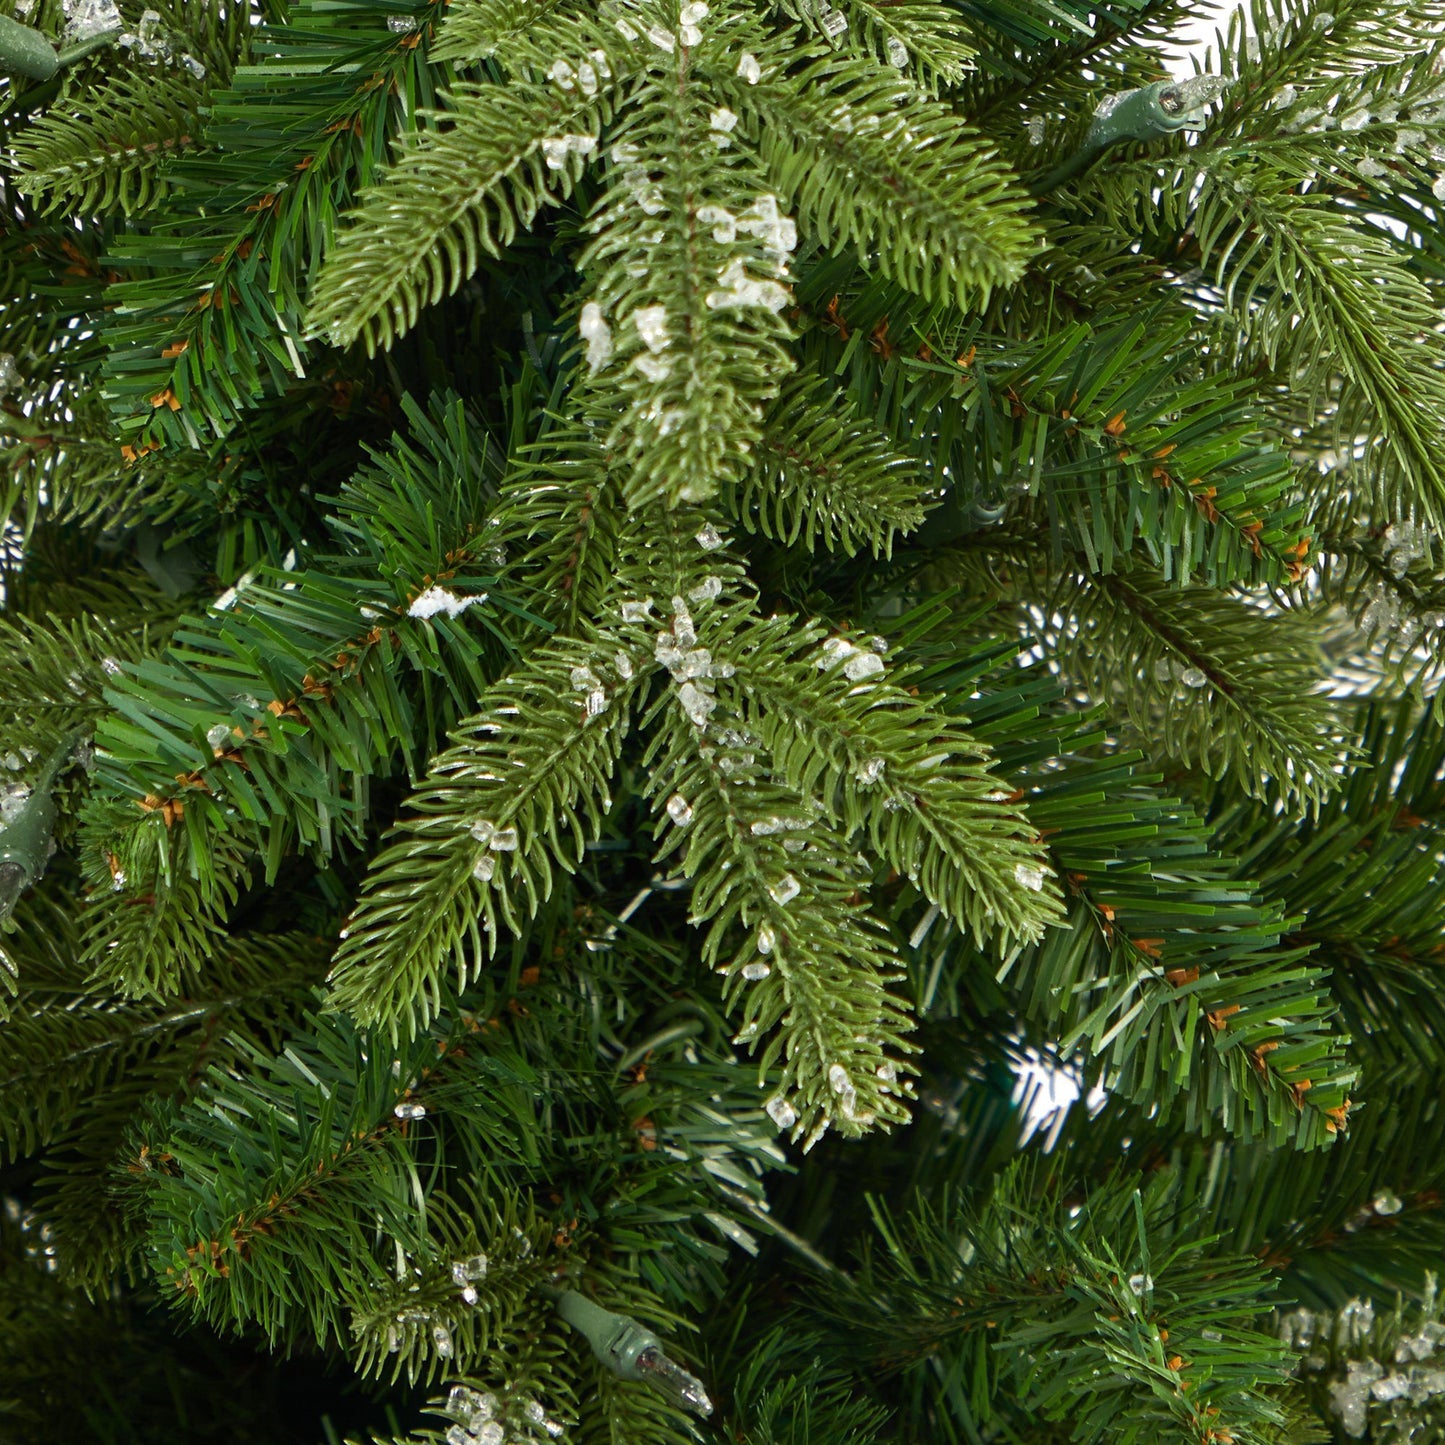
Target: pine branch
{"points": [[1206, 679], [893, 154], [486, 842], [825, 475], [459, 191]]}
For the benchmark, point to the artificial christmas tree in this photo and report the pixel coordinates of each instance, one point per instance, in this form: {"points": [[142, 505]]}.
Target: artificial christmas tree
{"points": [[613, 615]]}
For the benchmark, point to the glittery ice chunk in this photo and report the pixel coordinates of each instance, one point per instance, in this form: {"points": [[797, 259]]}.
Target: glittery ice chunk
{"points": [[679, 810]]}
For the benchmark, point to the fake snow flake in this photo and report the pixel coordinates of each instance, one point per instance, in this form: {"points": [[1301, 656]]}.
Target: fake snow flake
{"points": [[724, 224], [1028, 876], [749, 69], [869, 773], [695, 703], [651, 324], [864, 665], [785, 890], [597, 334], [438, 600], [781, 1112], [741, 291], [556, 148], [654, 368]]}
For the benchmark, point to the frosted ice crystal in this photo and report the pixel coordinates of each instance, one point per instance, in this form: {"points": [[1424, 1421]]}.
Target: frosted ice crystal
{"points": [[834, 23], [12, 800], [897, 52], [599, 61], [596, 702], [556, 148], [401, 24], [636, 610], [563, 75], [781, 1112], [785, 890], [689, 34], [767, 939], [863, 665], [754, 971], [625, 30], [708, 590], [693, 14], [598, 336], [457, 1436], [219, 734], [663, 39], [1141, 1284], [197, 70], [491, 1434], [887, 1071], [709, 539], [1387, 1202], [1193, 677], [505, 840], [749, 69], [1029, 876], [723, 119], [410, 1111], [679, 810], [482, 830], [1034, 125], [583, 679], [587, 78], [437, 601], [682, 625], [1350, 1397], [1437, 187], [442, 1338]]}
